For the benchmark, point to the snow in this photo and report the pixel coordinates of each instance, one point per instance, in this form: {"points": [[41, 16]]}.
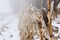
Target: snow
{"points": [[36, 38], [54, 22], [12, 32]]}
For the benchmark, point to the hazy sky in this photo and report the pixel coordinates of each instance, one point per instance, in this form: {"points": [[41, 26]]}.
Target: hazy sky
{"points": [[9, 6], [5, 6]]}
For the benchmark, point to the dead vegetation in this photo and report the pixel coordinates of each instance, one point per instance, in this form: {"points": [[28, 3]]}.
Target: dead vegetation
{"points": [[30, 24]]}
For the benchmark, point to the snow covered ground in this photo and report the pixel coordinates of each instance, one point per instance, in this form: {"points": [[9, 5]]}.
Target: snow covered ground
{"points": [[56, 23], [9, 28]]}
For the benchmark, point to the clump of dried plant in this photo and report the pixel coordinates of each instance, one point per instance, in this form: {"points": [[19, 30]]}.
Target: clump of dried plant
{"points": [[28, 23], [28, 20]]}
